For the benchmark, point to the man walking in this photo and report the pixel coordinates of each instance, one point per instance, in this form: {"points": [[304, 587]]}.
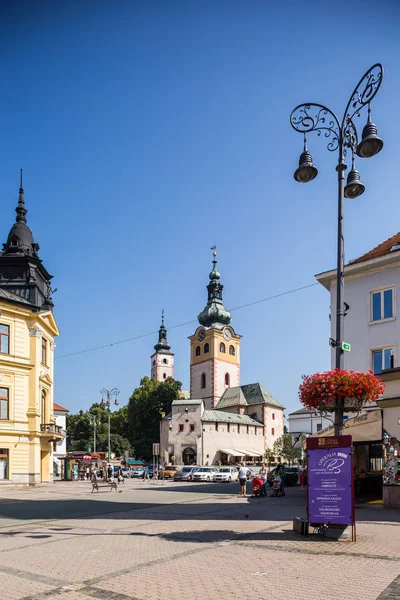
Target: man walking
{"points": [[243, 471]]}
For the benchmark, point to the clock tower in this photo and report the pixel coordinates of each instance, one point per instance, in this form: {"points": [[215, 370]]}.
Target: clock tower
{"points": [[214, 347], [162, 361]]}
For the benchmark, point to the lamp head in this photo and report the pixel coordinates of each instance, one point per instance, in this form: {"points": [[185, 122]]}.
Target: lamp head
{"points": [[354, 187], [306, 171], [370, 143]]}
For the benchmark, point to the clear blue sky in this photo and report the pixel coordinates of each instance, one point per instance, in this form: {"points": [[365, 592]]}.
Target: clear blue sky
{"points": [[149, 131]]}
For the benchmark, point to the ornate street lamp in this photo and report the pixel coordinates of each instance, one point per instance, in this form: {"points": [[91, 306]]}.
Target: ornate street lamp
{"points": [[342, 137], [109, 394]]}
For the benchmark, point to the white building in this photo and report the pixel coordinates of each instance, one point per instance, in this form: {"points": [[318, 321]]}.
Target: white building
{"points": [[307, 422], [371, 326], [222, 421], [60, 419]]}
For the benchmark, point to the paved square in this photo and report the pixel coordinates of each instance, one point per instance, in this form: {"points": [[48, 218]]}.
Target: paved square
{"points": [[171, 541]]}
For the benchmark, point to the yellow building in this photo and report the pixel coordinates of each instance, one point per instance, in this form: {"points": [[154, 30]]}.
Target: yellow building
{"points": [[27, 332]]}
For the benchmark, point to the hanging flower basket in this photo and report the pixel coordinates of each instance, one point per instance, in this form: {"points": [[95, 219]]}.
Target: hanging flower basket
{"points": [[350, 389]]}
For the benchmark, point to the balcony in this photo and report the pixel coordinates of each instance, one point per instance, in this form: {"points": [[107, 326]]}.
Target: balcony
{"points": [[52, 431]]}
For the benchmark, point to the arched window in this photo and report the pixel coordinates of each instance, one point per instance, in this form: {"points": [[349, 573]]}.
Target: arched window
{"points": [[164, 376], [232, 350], [154, 363], [227, 379], [165, 362], [222, 347], [43, 408], [197, 350], [206, 348], [203, 381]]}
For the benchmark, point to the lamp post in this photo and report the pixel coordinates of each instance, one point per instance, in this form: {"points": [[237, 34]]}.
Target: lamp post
{"points": [[93, 421], [343, 138], [109, 394]]}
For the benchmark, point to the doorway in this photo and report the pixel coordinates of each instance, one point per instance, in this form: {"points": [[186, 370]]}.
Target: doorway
{"points": [[189, 456]]}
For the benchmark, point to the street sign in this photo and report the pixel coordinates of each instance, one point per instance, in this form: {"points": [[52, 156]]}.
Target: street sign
{"points": [[156, 449], [346, 347]]}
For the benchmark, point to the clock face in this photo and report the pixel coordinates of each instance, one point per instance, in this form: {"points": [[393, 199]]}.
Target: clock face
{"points": [[201, 336], [227, 335]]}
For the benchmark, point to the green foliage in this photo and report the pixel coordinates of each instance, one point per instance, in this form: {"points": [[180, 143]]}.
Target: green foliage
{"points": [[145, 409], [269, 455], [283, 447]]}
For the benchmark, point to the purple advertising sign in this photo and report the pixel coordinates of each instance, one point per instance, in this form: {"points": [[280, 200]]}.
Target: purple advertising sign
{"points": [[330, 494]]}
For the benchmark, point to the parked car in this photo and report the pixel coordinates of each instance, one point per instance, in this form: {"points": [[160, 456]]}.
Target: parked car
{"points": [[138, 472], [204, 474], [126, 472], [152, 468], [226, 474], [169, 472], [291, 476], [185, 474]]}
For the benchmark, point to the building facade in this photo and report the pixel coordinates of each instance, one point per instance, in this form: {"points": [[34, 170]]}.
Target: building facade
{"points": [[60, 447], [222, 421], [27, 331]]}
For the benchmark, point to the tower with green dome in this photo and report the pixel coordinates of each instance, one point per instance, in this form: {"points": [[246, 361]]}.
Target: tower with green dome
{"points": [[214, 347]]}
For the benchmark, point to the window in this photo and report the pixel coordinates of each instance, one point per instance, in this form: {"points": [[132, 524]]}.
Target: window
{"points": [[164, 376], [238, 428], [203, 381], [154, 363], [319, 426], [232, 350], [222, 348], [3, 463], [4, 339], [180, 428], [273, 416], [206, 348], [197, 350], [191, 427], [44, 351], [227, 379], [43, 407], [382, 305], [247, 429], [216, 426], [382, 359], [272, 431], [228, 428], [165, 362], [4, 403]]}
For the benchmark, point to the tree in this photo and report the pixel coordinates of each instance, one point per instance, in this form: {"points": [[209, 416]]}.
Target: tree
{"points": [[283, 447], [146, 407], [269, 455]]}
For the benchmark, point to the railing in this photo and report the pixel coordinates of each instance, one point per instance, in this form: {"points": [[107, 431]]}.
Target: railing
{"points": [[51, 428]]}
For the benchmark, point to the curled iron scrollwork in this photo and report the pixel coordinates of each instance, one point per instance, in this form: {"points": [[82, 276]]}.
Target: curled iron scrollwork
{"points": [[318, 118], [364, 92]]}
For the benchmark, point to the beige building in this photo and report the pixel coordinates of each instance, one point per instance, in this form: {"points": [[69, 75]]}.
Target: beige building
{"points": [[221, 421], [27, 332]]}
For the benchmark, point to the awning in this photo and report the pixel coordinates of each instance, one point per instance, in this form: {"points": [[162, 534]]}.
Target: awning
{"points": [[251, 453], [365, 428], [232, 452]]}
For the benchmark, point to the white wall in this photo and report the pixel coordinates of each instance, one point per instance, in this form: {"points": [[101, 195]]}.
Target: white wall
{"points": [[61, 420], [196, 391], [358, 332], [161, 368], [307, 423]]}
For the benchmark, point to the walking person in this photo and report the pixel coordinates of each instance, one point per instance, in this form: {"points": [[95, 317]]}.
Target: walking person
{"points": [[110, 472], [146, 475], [243, 471], [263, 476], [281, 475]]}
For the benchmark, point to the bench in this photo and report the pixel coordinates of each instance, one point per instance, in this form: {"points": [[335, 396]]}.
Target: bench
{"points": [[112, 485]]}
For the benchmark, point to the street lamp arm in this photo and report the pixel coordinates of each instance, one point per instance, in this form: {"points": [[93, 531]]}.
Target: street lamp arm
{"points": [[363, 93], [317, 117]]}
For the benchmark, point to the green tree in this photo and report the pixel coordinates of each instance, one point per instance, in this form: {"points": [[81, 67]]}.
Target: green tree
{"points": [[269, 455], [119, 444], [283, 447], [146, 406]]}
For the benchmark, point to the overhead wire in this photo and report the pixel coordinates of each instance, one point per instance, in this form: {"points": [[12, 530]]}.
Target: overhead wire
{"points": [[143, 335]]}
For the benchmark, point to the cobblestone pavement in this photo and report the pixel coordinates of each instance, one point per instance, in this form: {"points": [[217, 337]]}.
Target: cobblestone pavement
{"points": [[177, 541]]}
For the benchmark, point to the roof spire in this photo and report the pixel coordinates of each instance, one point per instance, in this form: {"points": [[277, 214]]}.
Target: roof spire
{"points": [[215, 313], [162, 344], [21, 210]]}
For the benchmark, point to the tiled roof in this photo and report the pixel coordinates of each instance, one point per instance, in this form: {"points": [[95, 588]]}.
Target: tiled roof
{"points": [[387, 247], [226, 417], [302, 411], [184, 402], [7, 295], [246, 395], [59, 407]]}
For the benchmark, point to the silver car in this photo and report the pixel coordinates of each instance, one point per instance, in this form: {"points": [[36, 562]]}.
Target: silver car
{"points": [[226, 474], [204, 474]]}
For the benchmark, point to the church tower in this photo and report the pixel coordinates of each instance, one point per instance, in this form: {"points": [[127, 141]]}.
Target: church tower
{"points": [[214, 347], [162, 361]]}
